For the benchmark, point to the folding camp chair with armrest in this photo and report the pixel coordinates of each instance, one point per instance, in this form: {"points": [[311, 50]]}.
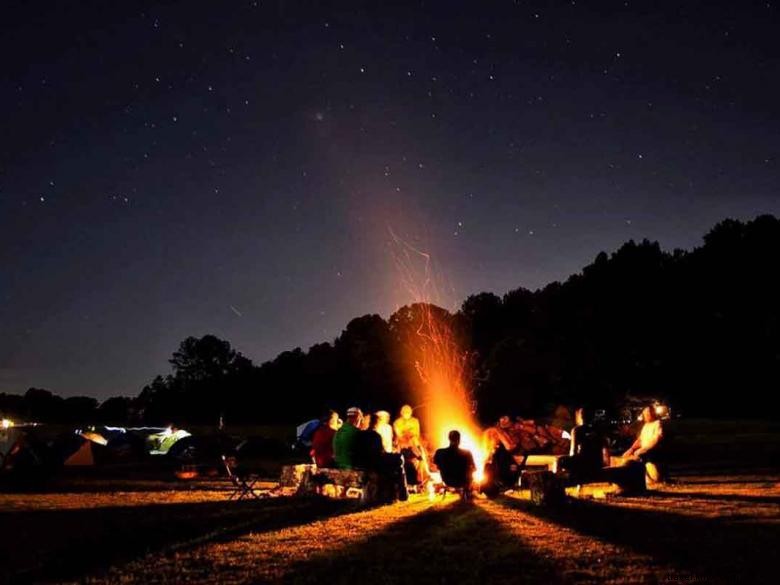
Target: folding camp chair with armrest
{"points": [[243, 484]]}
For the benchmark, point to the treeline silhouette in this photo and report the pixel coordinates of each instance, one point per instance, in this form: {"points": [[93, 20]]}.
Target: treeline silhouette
{"points": [[699, 328]]}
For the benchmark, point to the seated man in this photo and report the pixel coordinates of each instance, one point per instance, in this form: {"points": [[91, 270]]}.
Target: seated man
{"points": [[588, 453], [504, 450], [345, 440], [389, 467], [648, 446], [322, 440], [456, 465], [407, 433], [385, 430]]}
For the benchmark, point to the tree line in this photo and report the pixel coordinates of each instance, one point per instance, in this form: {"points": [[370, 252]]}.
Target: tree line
{"points": [[699, 328]]}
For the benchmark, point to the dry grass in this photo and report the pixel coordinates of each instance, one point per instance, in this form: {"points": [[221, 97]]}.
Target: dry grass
{"points": [[721, 527], [712, 530], [77, 537]]}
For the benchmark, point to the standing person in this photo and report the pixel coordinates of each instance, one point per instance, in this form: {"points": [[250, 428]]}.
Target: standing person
{"points": [[648, 446], [346, 442], [456, 466], [322, 440], [385, 430], [407, 433]]}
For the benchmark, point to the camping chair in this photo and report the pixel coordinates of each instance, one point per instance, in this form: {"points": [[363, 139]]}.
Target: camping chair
{"points": [[243, 484]]}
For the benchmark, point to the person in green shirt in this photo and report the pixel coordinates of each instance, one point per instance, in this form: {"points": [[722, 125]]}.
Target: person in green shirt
{"points": [[346, 441]]}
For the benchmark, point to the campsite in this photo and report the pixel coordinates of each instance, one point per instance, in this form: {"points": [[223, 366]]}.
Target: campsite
{"points": [[96, 526], [430, 292]]}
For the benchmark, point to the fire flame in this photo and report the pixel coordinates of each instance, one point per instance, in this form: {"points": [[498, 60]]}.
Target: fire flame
{"points": [[441, 373]]}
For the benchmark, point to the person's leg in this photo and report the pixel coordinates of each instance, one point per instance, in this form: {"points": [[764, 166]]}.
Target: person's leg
{"points": [[503, 462], [654, 467], [393, 468], [410, 467]]}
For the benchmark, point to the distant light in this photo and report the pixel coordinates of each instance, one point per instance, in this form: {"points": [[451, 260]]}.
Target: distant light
{"points": [[6, 423]]}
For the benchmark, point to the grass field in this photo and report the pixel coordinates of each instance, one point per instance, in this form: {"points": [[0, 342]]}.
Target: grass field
{"points": [[711, 526]]}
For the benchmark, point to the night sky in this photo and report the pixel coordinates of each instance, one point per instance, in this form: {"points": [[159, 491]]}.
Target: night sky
{"points": [[181, 168]]}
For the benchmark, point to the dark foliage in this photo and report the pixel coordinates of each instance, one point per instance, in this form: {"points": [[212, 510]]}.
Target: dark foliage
{"points": [[701, 328]]}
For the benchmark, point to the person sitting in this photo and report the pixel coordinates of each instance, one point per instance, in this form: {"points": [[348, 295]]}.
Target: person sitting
{"points": [[648, 447], [322, 440], [389, 467], [365, 422], [456, 466], [304, 433], [588, 453], [505, 455], [345, 440], [385, 430], [407, 433]]}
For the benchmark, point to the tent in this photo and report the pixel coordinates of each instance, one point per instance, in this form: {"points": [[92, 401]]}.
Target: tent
{"points": [[82, 457], [305, 431], [9, 437], [83, 449], [160, 443], [22, 451], [205, 448], [95, 437], [125, 444]]}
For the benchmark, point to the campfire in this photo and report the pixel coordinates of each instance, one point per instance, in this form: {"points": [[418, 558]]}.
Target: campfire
{"points": [[438, 366]]}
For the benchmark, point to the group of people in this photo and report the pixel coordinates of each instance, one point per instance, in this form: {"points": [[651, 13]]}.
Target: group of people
{"points": [[589, 451], [582, 452], [395, 451]]}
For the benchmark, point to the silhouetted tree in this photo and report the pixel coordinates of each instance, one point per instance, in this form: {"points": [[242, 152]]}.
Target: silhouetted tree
{"points": [[700, 327], [79, 409], [116, 410], [42, 406]]}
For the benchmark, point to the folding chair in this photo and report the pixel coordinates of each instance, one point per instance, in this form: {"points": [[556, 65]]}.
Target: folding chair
{"points": [[243, 484]]}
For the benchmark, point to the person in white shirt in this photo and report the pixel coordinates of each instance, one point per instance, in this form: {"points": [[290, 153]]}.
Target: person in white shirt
{"points": [[647, 447], [385, 430]]}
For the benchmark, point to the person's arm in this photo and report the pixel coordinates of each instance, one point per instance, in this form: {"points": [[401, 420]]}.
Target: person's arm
{"points": [[632, 449], [505, 439], [605, 456], [574, 442]]}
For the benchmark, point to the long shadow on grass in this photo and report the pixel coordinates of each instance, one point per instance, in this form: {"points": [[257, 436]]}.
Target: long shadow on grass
{"points": [[460, 543], [62, 544], [705, 480], [715, 550], [744, 498]]}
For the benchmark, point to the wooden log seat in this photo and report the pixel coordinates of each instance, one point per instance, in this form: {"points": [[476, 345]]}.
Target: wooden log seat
{"points": [[308, 479], [547, 488]]}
